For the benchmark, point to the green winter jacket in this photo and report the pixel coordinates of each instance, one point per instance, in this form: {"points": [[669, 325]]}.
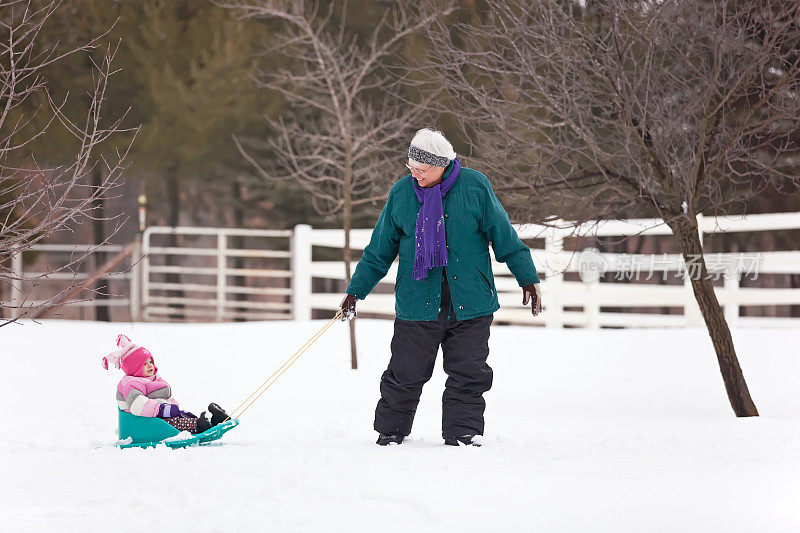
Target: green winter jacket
{"points": [[474, 219]]}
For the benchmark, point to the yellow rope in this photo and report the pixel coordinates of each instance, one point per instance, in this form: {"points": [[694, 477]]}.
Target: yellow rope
{"points": [[283, 368]]}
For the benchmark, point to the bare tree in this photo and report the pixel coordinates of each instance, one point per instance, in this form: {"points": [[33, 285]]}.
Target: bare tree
{"points": [[38, 200], [347, 131], [609, 108]]}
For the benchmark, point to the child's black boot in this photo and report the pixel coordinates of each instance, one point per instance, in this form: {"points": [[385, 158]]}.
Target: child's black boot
{"points": [[218, 414]]}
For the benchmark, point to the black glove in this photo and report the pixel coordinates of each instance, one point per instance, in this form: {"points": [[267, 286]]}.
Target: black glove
{"points": [[533, 293], [202, 423], [349, 307]]}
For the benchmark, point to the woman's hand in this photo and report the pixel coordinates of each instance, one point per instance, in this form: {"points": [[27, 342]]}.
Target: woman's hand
{"points": [[348, 307], [533, 293]]}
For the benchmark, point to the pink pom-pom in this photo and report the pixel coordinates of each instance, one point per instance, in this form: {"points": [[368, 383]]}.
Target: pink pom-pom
{"points": [[113, 358], [122, 340]]}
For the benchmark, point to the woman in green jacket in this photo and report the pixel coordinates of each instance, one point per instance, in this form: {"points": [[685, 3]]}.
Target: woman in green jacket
{"points": [[440, 220]]}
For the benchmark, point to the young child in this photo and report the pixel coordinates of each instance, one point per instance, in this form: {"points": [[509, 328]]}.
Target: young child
{"points": [[143, 392]]}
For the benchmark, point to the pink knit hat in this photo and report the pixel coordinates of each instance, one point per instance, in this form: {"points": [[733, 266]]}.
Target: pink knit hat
{"points": [[129, 357]]}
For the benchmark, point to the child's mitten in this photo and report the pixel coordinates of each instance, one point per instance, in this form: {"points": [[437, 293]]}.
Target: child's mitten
{"points": [[168, 410], [202, 423]]}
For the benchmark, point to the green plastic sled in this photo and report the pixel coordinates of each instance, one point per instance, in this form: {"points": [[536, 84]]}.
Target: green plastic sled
{"points": [[146, 432]]}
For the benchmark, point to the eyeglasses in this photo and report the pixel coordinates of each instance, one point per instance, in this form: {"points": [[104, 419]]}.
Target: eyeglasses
{"points": [[417, 170]]}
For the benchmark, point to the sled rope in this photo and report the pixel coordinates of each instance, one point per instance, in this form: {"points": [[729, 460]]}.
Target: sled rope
{"points": [[279, 372]]}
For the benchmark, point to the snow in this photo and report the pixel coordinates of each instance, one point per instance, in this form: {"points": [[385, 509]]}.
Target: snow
{"points": [[183, 435], [586, 430]]}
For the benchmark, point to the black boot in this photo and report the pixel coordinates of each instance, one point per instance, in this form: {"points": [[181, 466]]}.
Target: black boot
{"points": [[202, 423], [218, 414], [463, 440], [384, 439]]}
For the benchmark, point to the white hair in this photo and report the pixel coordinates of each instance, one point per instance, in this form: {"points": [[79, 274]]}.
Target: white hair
{"points": [[435, 142]]}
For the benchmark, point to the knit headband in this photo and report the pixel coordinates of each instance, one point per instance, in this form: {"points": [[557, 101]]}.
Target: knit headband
{"points": [[427, 158]]}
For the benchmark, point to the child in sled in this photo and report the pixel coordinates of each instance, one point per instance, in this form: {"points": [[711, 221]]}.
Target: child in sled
{"points": [[143, 392]]}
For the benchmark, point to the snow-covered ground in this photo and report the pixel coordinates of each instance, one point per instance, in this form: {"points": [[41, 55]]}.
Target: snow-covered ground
{"points": [[586, 431]]}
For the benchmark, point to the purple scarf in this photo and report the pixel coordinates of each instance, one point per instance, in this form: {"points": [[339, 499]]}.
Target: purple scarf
{"points": [[431, 244]]}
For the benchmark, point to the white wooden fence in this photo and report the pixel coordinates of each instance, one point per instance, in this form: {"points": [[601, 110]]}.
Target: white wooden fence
{"points": [[593, 295], [214, 274], [205, 287], [58, 272]]}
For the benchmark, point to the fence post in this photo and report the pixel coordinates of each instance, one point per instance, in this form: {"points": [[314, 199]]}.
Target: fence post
{"points": [[301, 272], [731, 289], [16, 284], [554, 246], [221, 276], [136, 280], [591, 307], [146, 273]]}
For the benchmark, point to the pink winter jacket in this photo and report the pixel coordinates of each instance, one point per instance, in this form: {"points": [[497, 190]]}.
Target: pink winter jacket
{"points": [[143, 396]]}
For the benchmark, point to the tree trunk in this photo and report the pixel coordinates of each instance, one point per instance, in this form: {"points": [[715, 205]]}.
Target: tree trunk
{"points": [[347, 220], [101, 286], [686, 231]]}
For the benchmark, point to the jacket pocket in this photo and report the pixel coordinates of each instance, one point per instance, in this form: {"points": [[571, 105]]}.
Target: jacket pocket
{"points": [[408, 299], [399, 280], [486, 281], [404, 288]]}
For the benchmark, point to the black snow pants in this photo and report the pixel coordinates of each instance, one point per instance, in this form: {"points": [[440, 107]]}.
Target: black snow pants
{"points": [[465, 347]]}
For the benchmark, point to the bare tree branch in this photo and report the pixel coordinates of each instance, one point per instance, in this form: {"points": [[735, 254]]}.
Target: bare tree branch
{"points": [[37, 201], [662, 109]]}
